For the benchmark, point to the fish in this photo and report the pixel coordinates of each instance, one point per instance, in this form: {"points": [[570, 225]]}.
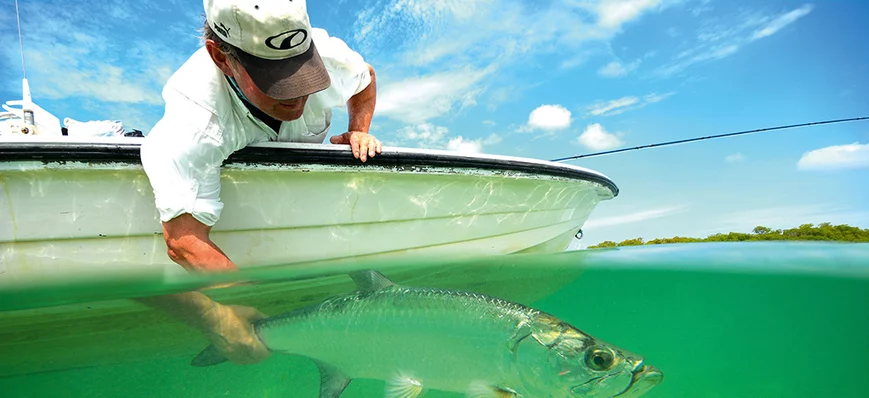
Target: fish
{"points": [[417, 338]]}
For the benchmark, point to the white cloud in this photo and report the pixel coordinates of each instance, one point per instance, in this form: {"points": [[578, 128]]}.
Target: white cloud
{"points": [[416, 40], [575, 61], [624, 104], [58, 70], [698, 55], [430, 136], [838, 157], [425, 9], [460, 144], [654, 97], [418, 99], [702, 8], [617, 69], [424, 135], [549, 117], [612, 107], [492, 139], [632, 218], [734, 158], [597, 139], [780, 22], [499, 95], [489, 122], [489, 33], [69, 76], [614, 13], [720, 40]]}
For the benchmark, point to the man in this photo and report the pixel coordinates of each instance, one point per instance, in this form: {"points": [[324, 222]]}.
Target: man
{"points": [[263, 75]]}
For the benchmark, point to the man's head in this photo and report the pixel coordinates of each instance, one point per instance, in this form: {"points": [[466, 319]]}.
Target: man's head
{"points": [[266, 46]]}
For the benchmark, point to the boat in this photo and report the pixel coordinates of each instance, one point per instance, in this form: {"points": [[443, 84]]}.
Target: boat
{"points": [[77, 205], [82, 207]]}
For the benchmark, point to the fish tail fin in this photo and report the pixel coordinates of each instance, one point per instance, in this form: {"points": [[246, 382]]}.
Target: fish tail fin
{"points": [[208, 357], [332, 381]]}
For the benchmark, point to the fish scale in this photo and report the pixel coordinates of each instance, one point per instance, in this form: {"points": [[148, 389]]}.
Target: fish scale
{"points": [[417, 325]]}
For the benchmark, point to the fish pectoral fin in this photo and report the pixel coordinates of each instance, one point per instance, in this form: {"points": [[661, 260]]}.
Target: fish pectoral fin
{"points": [[370, 280], [523, 330], [403, 386], [483, 390], [208, 357], [332, 381]]}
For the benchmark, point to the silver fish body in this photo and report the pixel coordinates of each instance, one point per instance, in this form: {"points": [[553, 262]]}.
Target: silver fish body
{"points": [[415, 338]]}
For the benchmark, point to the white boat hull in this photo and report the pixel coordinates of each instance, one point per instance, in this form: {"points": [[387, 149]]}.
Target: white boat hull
{"points": [[63, 218]]}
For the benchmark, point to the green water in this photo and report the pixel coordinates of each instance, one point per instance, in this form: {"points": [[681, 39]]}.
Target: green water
{"points": [[720, 320]]}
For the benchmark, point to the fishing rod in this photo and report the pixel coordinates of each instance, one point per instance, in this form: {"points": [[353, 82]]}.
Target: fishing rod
{"points": [[790, 126], [20, 39]]}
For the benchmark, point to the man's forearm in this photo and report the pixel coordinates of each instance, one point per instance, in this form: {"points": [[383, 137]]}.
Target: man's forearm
{"points": [[360, 107], [201, 256], [191, 247]]}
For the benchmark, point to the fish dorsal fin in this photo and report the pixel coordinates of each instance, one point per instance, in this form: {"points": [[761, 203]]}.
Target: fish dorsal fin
{"points": [[403, 386], [370, 280], [484, 390], [332, 381]]}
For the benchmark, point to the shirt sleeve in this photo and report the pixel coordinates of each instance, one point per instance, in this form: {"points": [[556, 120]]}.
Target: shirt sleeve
{"points": [[182, 161], [347, 70]]}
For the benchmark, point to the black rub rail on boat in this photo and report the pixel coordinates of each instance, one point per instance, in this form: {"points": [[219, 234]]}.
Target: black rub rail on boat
{"points": [[325, 155]]}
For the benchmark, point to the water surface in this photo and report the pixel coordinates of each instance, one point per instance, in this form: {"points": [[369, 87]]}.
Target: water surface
{"points": [[766, 319]]}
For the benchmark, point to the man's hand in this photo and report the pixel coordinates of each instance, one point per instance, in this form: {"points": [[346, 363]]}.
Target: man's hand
{"points": [[360, 110], [362, 144], [230, 329]]}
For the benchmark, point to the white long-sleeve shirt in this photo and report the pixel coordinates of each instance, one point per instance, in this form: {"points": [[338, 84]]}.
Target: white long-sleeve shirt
{"points": [[205, 121]]}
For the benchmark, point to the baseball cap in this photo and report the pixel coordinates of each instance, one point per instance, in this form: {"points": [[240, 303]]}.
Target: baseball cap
{"points": [[274, 42]]}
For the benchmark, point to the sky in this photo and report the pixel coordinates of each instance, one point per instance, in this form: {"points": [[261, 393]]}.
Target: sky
{"points": [[542, 79]]}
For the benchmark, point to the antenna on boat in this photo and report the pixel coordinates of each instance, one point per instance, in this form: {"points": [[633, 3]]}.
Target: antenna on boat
{"points": [[26, 100], [790, 126]]}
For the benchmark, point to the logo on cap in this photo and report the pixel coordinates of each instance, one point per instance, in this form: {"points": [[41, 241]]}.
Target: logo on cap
{"points": [[222, 29], [287, 40]]}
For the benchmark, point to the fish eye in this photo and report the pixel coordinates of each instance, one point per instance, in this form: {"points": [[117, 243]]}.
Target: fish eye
{"points": [[599, 359]]}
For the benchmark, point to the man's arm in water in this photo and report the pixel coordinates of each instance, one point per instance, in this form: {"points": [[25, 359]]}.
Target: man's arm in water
{"points": [[230, 328]]}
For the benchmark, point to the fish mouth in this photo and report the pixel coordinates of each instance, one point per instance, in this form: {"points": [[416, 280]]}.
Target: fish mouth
{"points": [[643, 379]]}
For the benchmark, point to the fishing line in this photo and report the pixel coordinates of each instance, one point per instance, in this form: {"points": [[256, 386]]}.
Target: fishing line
{"points": [[20, 39], [790, 126]]}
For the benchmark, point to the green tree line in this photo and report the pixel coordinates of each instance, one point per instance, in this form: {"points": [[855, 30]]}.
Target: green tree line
{"points": [[822, 232]]}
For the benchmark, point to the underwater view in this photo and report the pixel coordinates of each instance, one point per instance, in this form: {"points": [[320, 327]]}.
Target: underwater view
{"points": [[769, 319]]}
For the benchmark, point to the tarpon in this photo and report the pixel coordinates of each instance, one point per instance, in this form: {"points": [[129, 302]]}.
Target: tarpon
{"points": [[422, 338]]}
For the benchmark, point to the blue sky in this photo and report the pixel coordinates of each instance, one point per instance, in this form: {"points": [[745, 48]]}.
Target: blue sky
{"points": [[543, 79]]}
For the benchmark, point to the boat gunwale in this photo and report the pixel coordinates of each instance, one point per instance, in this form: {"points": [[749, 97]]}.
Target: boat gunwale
{"points": [[275, 153]]}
